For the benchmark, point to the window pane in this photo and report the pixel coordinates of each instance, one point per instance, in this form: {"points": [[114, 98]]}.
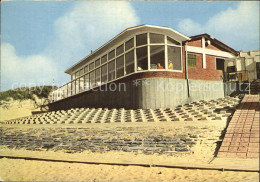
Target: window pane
{"points": [[73, 76], [120, 66], [91, 66], [104, 59], [92, 79], [87, 84], [129, 44], [81, 72], [65, 90], [129, 62], [191, 60], [81, 84], [174, 58], [111, 55], [141, 39], [97, 63], [156, 38], [172, 41], [73, 87], [111, 70], [97, 72], [69, 89], [142, 60], [77, 86], [157, 57], [120, 50], [104, 74], [77, 74], [86, 69]]}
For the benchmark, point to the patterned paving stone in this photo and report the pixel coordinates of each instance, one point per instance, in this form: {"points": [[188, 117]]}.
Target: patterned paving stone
{"points": [[242, 135]]}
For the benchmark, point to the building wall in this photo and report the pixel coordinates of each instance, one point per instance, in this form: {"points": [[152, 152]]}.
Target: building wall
{"points": [[145, 93], [195, 43], [210, 73]]}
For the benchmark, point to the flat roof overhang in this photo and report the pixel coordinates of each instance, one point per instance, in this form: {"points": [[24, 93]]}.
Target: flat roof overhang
{"points": [[127, 33]]}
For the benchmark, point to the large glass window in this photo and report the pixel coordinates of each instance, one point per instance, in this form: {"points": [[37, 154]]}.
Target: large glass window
{"points": [[77, 86], [157, 57], [141, 39], [97, 62], [142, 58], [81, 72], [129, 44], [120, 50], [111, 54], [87, 84], [91, 66], [73, 76], [104, 74], [81, 84], [86, 69], [92, 79], [97, 73], [104, 59], [120, 66], [129, 62], [156, 38], [65, 90], [69, 89], [174, 58], [77, 74], [73, 88], [111, 70], [191, 60]]}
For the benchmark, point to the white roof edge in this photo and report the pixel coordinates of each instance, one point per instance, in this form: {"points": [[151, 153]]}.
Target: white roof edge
{"points": [[127, 29]]}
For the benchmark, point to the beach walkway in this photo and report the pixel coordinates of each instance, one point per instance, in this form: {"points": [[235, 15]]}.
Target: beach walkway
{"points": [[242, 135]]}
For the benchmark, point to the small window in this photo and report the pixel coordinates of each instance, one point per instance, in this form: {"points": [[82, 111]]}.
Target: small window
{"points": [[120, 50], [191, 60], [97, 62], [129, 44], [141, 39], [156, 38], [111, 54], [104, 59], [91, 66], [172, 41], [220, 64]]}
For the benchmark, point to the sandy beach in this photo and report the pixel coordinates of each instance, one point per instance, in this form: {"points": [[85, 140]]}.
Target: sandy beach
{"points": [[201, 153]]}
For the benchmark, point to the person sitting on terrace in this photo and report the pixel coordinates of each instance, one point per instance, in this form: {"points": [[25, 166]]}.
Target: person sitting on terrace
{"points": [[170, 65], [159, 66]]}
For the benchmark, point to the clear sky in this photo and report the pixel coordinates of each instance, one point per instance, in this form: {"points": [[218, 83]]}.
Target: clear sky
{"points": [[39, 40]]}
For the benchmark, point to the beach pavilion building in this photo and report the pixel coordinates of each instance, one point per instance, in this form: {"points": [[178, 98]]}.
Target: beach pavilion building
{"points": [[147, 67]]}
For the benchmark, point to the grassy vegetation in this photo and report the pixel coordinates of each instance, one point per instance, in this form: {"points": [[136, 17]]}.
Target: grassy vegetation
{"points": [[26, 93]]}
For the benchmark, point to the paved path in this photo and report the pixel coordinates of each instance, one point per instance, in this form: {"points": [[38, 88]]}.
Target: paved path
{"points": [[242, 136]]}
